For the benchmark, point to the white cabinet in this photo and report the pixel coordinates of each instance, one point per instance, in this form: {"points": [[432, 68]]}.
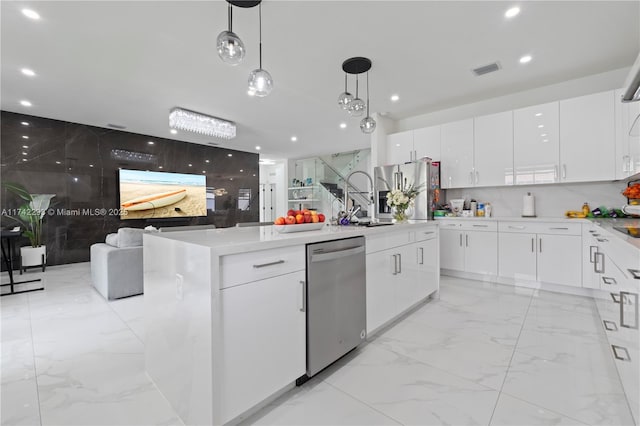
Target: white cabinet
{"points": [[469, 247], [587, 135], [493, 149], [264, 340], [627, 138], [426, 142], [536, 144], [399, 277], [456, 153], [400, 147], [549, 253]]}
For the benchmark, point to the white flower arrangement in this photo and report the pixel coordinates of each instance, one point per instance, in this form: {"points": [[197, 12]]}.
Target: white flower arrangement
{"points": [[401, 199]]}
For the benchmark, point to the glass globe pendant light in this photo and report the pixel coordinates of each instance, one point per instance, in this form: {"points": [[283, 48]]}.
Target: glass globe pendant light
{"points": [[260, 81], [230, 47], [368, 124], [345, 97], [356, 107]]}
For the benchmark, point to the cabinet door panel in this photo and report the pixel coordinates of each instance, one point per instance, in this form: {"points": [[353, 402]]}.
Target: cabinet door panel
{"points": [[517, 256], [426, 142], [456, 151], [451, 249], [380, 288], [587, 133], [560, 259], [493, 149], [536, 144], [627, 139], [399, 147], [265, 315], [429, 265], [481, 252]]}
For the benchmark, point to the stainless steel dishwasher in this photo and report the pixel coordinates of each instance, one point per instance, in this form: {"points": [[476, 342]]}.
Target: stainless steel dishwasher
{"points": [[336, 300]]}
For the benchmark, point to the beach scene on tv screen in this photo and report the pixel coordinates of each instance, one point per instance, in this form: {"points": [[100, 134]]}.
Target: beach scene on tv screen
{"points": [[145, 194]]}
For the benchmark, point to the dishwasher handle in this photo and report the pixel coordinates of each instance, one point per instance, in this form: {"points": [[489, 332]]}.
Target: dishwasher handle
{"points": [[336, 254]]}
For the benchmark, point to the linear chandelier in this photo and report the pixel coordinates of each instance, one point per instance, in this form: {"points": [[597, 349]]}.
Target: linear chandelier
{"points": [[191, 121]]}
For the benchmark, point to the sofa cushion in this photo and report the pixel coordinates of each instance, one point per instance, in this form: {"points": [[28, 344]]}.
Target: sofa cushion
{"points": [[130, 237], [112, 240]]}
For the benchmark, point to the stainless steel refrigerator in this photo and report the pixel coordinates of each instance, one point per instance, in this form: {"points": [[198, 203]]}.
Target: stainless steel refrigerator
{"points": [[423, 174]]}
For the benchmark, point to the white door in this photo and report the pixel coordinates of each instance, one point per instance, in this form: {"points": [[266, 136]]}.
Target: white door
{"points": [[456, 153], [426, 142], [560, 259], [493, 149], [381, 279], [264, 330], [400, 147], [452, 249], [536, 144], [627, 139], [587, 129], [517, 256], [481, 252]]}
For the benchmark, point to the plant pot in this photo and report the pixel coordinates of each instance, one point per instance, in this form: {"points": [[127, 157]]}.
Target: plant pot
{"points": [[33, 256]]}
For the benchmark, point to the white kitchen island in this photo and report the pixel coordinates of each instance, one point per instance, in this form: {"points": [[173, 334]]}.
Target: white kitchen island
{"points": [[225, 328]]}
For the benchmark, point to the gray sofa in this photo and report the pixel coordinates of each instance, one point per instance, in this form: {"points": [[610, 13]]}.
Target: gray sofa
{"points": [[116, 264]]}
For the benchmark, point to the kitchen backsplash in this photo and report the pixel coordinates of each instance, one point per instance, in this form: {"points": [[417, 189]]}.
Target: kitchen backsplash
{"points": [[550, 200]]}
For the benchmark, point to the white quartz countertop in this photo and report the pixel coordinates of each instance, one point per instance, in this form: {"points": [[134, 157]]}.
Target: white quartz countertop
{"points": [[514, 219], [225, 241], [609, 224]]}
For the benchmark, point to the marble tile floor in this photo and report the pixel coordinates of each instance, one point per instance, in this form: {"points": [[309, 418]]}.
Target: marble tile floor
{"points": [[481, 353]]}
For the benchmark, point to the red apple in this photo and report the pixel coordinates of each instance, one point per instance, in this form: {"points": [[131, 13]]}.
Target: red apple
{"points": [[291, 213], [307, 217], [299, 218], [289, 220], [321, 217]]}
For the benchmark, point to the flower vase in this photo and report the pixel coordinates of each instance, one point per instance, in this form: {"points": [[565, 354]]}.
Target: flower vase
{"points": [[400, 215]]}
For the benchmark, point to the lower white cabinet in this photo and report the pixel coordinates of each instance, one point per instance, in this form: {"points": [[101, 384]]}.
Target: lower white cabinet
{"points": [[263, 325], [398, 278], [537, 253], [469, 250]]}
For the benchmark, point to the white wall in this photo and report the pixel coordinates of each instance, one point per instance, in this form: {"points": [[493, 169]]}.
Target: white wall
{"points": [[551, 200]]}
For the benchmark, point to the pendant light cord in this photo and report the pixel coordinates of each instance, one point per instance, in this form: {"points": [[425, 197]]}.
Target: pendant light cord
{"points": [[357, 86], [230, 17], [345, 83], [367, 93], [260, 29]]}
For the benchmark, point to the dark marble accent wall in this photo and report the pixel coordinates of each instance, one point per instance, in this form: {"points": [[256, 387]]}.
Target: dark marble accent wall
{"points": [[77, 163]]}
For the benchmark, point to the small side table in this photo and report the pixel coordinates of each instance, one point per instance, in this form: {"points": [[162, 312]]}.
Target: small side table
{"points": [[6, 244]]}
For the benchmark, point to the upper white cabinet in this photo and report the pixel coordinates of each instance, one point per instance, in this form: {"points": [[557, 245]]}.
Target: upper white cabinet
{"points": [[587, 133], [426, 142], [456, 153], [536, 144], [400, 147], [627, 137], [493, 149]]}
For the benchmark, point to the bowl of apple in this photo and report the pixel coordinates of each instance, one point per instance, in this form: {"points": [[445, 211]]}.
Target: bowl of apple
{"points": [[299, 220]]}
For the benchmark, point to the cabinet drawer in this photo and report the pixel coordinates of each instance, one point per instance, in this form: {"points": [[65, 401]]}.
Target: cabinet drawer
{"points": [[387, 240], [541, 228], [424, 234], [480, 226], [449, 224], [247, 267]]}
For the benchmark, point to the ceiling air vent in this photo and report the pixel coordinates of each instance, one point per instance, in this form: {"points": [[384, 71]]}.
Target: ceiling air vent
{"points": [[486, 69]]}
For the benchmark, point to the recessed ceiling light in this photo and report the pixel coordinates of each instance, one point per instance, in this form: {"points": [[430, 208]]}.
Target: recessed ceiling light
{"points": [[151, 143], [24, 159], [75, 179], [173, 131], [525, 59], [28, 72], [24, 153], [229, 155], [543, 135], [512, 12], [25, 147], [206, 161], [90, 165], [32, 14], [540, 126], [343, 125], [25, 103], [294, 138], [258, 148], [58, 162], [397, 144], [230, 178], [254, 175], [190, 165], [25, 137], [241, 170], [160, 167], [545, 140], [24, 123], [539, 114], [395, 98], [204, 171]]}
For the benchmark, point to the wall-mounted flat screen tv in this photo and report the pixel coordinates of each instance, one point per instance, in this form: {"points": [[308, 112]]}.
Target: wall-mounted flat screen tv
{"points": [[152, 195]]}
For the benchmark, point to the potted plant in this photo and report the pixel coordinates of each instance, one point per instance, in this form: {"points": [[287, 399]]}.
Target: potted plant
{"points": [[31, 217]]}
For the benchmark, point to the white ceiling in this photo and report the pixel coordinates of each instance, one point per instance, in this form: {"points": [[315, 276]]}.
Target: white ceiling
{"points": [[129, 63]]}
